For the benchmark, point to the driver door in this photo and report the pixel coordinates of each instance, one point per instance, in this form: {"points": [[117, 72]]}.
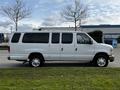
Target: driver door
{"points": [[84, 49]]}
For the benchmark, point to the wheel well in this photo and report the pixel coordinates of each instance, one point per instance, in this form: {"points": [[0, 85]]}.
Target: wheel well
{"points": [[101, 53], [35, 54]]}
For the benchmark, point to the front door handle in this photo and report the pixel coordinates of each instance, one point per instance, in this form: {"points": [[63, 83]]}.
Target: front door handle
{"points": [[76, 49], [61, 49]]}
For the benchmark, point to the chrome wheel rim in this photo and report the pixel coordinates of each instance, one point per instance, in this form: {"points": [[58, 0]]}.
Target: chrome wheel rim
{"points": [[35, 62], [101, 62]]}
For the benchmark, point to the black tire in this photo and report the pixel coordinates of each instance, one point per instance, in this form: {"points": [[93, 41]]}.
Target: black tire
{"points": [[101, 61], [36, 61]]}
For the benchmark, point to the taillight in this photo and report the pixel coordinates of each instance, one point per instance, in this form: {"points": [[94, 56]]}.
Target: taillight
{"points": [[8, 48]]}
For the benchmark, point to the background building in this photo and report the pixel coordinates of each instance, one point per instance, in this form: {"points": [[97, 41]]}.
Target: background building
{"points": [[109, 31]]}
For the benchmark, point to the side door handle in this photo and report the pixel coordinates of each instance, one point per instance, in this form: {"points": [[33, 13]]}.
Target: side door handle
{"points": [[61, 49], [76, 49]]}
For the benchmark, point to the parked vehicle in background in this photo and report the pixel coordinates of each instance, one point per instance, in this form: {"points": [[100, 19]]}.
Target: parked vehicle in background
{"points": [[38, 47], [112, 42], [1, 37]]}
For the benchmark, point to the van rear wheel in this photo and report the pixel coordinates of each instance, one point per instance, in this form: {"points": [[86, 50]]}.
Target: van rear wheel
{"points": [[36, 61], [101, 61]]}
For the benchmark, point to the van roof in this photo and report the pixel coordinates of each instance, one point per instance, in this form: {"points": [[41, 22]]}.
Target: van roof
{"points": [[48, 31]]}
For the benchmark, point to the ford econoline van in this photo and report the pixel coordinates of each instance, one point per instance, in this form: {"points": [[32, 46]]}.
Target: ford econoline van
{"points": [[39, 46]]}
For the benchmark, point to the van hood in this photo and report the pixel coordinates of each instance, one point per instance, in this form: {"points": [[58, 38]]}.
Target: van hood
{"points": [[106, 45]]}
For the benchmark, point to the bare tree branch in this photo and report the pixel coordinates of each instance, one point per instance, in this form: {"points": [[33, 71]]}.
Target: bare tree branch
{"points": [[75, 13], [16, 12]]}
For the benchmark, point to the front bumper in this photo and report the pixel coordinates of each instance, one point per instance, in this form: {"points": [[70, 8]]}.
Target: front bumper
{"points": [[111, 58]]}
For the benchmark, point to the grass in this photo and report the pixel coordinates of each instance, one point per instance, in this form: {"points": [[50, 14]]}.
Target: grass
{"points": [[60, 78]]}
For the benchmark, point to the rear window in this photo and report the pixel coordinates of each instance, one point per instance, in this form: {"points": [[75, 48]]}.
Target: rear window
{"points": [[36, 38], [15, 38]]}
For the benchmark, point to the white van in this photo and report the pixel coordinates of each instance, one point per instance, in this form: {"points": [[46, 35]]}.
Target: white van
{"points": [[38, 47]]}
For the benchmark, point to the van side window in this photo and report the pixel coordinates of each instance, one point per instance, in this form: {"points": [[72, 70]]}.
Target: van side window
{"points": [[55, 38], [83, 38], [36, 38], [15, 38], [67, 38]]}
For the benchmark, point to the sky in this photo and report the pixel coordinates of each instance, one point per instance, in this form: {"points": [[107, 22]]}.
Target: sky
{"points": [[47, 13]]}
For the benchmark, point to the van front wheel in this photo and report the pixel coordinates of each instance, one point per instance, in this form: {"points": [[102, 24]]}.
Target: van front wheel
{"points": [[101, 61], [36, 61]]}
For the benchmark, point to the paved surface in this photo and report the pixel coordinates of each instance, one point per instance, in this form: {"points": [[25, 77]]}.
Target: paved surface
{"points": [[116, 63], [5, 63], [3, 44]]}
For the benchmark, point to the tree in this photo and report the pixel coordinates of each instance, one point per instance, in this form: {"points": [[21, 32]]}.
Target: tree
{"points": [[16, 12], [75, 12]]}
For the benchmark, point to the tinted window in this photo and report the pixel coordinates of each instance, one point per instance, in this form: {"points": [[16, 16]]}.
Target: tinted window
{"points": [[36, 38], [55, 37], [83, 38], [67, 38], [15, 38], [1, 37]]}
